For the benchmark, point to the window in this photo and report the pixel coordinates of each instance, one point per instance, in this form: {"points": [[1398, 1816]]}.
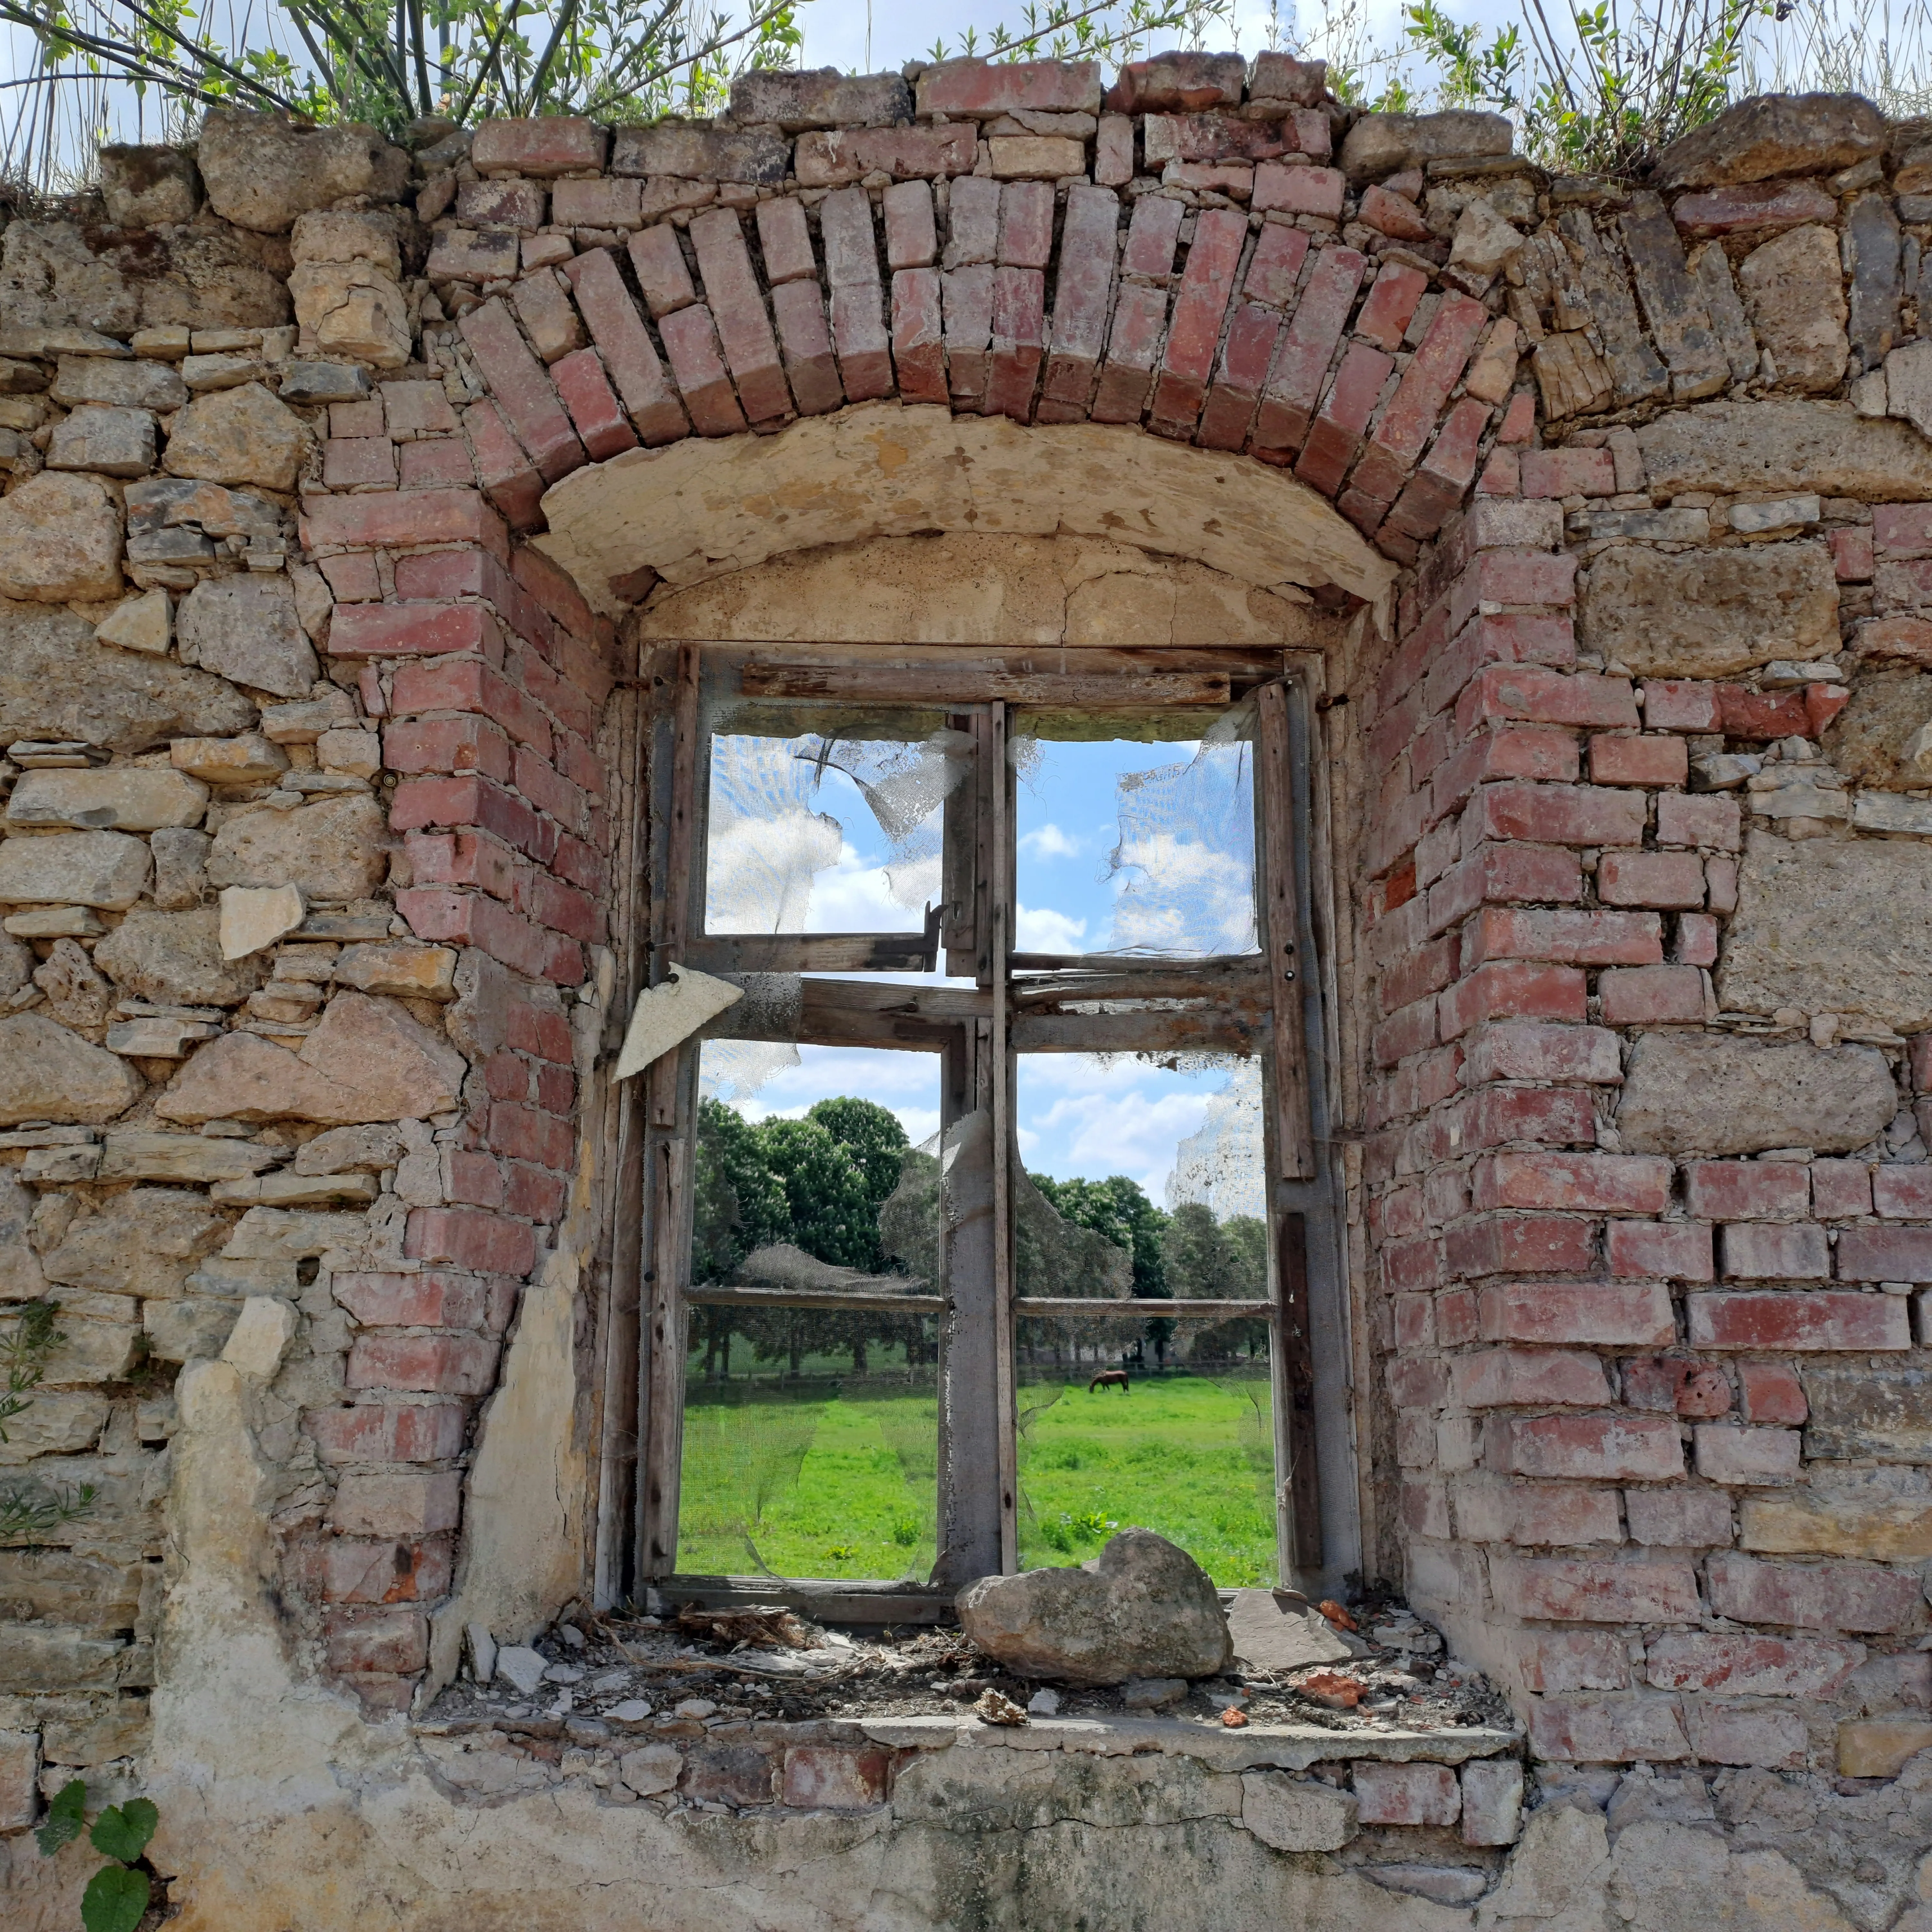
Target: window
{"points": [[866, 841]]}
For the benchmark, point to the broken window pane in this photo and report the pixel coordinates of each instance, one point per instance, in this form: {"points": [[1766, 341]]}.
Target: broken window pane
{"points": [[811, 1434], [822, 831], [1126, 847]]}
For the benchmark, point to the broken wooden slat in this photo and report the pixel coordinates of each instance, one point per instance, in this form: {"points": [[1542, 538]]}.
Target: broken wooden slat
{"points": [[1280, 901], [1201, 1030], [903, 684], [808, 952]]}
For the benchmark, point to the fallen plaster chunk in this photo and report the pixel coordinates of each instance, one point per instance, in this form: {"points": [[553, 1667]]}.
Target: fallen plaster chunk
{"points": [[666, 1016], [260, 1336], [1280, 1630], [521, 1668], [253, 916], [482, 1651]]}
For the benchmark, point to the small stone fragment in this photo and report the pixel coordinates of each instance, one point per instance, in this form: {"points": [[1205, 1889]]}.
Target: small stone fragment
{"points": [[242, 761], [143, 623], [994, 1707], [1153, 1693], [253, 916]]}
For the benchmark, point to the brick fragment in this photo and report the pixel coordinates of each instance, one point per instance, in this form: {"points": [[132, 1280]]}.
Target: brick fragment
{"points": [[1673, 1250], [663, 274], [859, 335], [397, 1502], [1770, 1392], [1082, 300], [1194, 332], [1726, 1453], [1678, 1519], [918, 343], [1753, 1252], [1601, 1314], [630, 359], [1294, 389]]}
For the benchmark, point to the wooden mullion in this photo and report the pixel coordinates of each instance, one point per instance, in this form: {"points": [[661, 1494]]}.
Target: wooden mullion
{"points": [[1298, 1479], [1004, 900], [1279, 904]]}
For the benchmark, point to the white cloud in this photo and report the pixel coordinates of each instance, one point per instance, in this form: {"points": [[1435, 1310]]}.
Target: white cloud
{"points": [[1048, 841], [1041, 929]]}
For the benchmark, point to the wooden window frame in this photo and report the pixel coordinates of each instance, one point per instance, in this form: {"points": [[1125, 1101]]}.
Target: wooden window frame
{"points": [[1263, 1002]]}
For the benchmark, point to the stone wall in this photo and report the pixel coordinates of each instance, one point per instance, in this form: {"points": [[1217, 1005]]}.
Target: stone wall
{"points": [[345, 481]]}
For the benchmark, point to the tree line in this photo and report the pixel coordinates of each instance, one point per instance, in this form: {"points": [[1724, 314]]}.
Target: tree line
{"points": [[845, 1186]]}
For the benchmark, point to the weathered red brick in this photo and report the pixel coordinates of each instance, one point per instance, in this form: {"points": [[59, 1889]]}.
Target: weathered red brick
{"points": [[1750, 1666], [1675, 705], [1313, 331], [1603, 1313], [1673, 1250], [1750, 1253], [386, 1570], [1511, 751], [1726, 1453], [1571, 1590], [521, 388], [1799, 1320], [413, 630], [435, 1298], [1398, 439], [1678, 1519], [395, 522], [1672, 1386], [508, 475], [377, 1641], [690, 338], [440, 1364], [1518, 1244], [1558, 1514], [1568, 472], [1526, 1050], [1639, 761], [1530, 693], [1607, 1730], [1406, 1794], [1815, 1596], [1018, 341], [376, 1432], [586, 393], [820, 1777], [461, 1237], [1508, 989], [1650, 995], [553, 144], [1559, 1660], [1525, 1378], [1299, 191], [968, 89], [1336, 433], [1762, 716], [1885, 1254], [397, 1502], [1740, 1190], [1556, 815], [1595, 1448], [1671, 879], [1770, 1392], [1580, 937], [1391, 303]]}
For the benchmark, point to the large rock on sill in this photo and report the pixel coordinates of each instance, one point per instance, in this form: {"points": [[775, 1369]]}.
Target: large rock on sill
{"points": [[1723, 1094], [1142, 1608], [1774, 135], [262, 170]]}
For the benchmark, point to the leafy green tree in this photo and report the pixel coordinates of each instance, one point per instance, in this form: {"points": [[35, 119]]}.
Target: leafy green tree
{"points": [[1119, 1209], [873, 1138], [1215, 1260], [832, 1217]]}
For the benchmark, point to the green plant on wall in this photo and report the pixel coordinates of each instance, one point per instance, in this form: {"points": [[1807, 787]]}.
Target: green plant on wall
{"points": [[31, 1510], [118, 1894]]}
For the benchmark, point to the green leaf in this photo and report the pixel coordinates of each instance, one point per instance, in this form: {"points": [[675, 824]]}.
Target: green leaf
{"points": [[67, 1818], [122, 1831], [115, 1900]]}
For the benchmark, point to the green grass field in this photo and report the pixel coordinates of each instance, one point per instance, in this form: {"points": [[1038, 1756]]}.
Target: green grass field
{"points": [[837, 1479]]}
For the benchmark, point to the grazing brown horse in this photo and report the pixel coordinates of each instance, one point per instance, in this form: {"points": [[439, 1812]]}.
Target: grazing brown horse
{"points": [[1109, 1379]]}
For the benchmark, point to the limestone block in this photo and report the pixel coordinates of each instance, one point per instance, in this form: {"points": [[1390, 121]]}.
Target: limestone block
{"points": [[110, 799], [1859, 1411], [244, 629], [1772, 136], [1296, 1814], [1712, 613], [190, 1157], [19, 1779], [148, 187], [21, 1279], [181, 868], [56, 683], [36, 1657], [260, 1337], [1793, 287], [91, 1351], [88, 868], [1142, 1608], [190, 1330], [1907, 376], [77, 995], [1384, 144], [1777, 447], [1280, 1630], [59, 1422], [1826, 926], [262, 170], [117, 442], [253, 917], [143, 623], [80, 379], [1723, 1094], [92, 1593], [358, 753], [229, 761], [1881, 1747], [241, 435], [1483, 241], [1872, 740], [142, 1242], [304, 723], [87, 1731], [400, 966], [1894, 1529], [334, 851], [342, 1148], [352, 308], [47, 1073], [175, 959], [367, 1060], [50, 276], [60, 540]]}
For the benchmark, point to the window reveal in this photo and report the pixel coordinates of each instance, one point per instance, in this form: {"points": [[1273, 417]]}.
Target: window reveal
{"points": [[755, 764]]}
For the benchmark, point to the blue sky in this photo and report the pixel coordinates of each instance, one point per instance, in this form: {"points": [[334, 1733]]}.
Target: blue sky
{"points": [[1077, 1114]]}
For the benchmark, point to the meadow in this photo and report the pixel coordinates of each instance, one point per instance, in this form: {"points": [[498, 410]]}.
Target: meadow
{"points": [[836, 1478]]}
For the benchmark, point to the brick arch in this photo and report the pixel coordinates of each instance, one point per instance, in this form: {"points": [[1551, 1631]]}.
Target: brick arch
{"points": [[1238, 333]]}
